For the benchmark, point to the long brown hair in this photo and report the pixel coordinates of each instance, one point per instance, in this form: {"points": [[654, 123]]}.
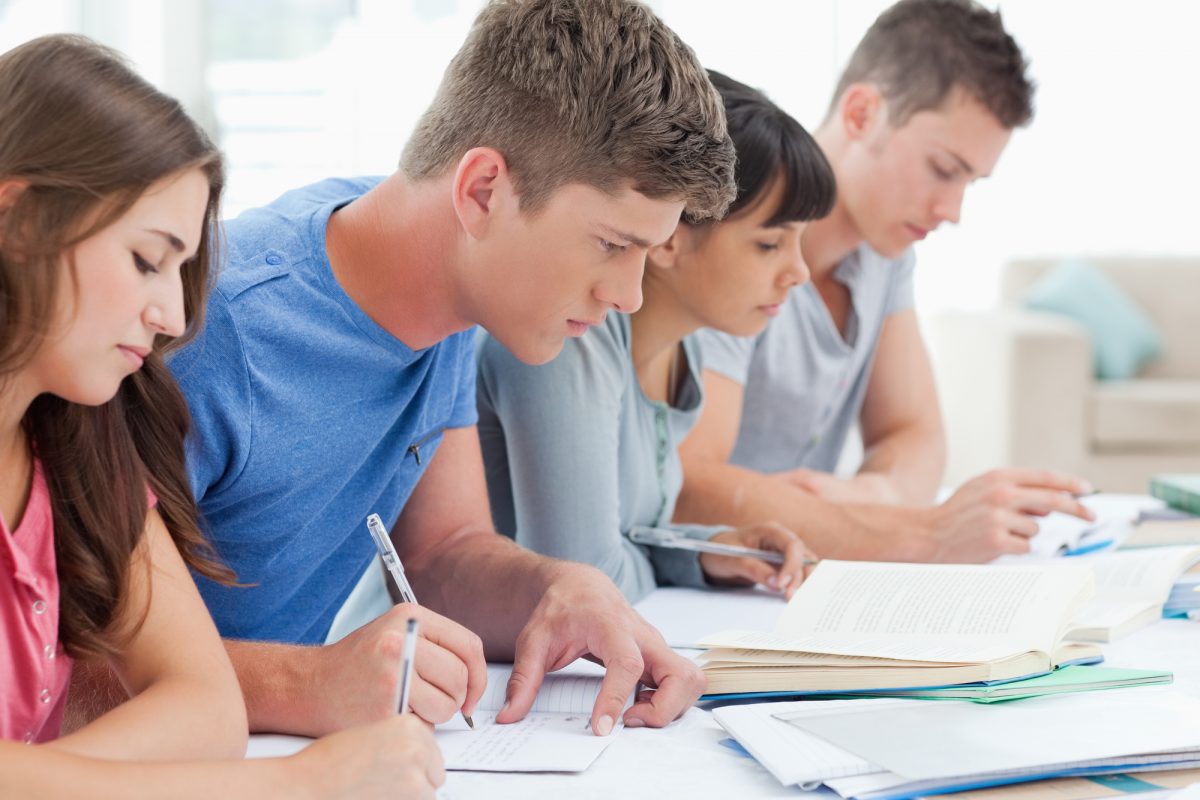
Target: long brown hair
{"points": [[86, 136]]}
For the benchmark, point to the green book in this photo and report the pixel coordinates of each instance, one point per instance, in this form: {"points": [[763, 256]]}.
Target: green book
{"points": [[1178, 491], [1067, 679]]}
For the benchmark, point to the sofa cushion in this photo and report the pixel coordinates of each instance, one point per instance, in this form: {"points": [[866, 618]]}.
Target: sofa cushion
{"points": [[1157, 415], [1123, 337]]}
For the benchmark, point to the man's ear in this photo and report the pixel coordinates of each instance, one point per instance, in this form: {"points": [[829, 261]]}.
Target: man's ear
{"points": [[665, 255], [481, 186], [861, 110]]}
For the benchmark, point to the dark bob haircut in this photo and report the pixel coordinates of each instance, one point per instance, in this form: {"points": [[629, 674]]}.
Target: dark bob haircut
{"points": [[772, 146]]}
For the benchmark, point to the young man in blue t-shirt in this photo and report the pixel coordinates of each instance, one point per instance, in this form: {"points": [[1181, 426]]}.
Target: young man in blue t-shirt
{"points": [[335, 377], [924, 108]]}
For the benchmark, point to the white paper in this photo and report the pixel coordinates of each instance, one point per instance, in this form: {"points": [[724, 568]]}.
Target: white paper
{"points": [[555, 736], [544, 741], [684, 616], [1058, 532], [793, 756], [924, 740]]}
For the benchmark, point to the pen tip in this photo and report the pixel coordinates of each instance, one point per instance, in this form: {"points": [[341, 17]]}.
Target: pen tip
{"points": [[470, 722]]}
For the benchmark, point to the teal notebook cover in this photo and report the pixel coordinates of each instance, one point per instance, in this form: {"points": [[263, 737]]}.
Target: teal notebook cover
{"points": [[1180, 491], [1067, 679]]}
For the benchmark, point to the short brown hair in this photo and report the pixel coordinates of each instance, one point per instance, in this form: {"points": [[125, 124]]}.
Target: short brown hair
{"points": [[598, 92], [87, 137], [919, 50]]}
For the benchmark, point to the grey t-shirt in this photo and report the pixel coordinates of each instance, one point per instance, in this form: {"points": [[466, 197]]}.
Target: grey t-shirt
{"points": [[804, 384], [576, 456]]}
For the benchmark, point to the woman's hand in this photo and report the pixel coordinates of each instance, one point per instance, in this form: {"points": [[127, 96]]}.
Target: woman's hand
{"points": [[798, 560]]}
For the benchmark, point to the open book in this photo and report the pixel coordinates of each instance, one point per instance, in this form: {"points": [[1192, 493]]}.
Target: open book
{"points": [[1131, 588], [861, 626]]}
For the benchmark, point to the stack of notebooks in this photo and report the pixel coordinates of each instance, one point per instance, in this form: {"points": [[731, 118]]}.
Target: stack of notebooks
{"points": [[866, 627], [1178, 523]]}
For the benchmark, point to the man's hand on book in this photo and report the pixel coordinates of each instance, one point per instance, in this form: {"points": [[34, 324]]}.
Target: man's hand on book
{"points": [[995, 513]]}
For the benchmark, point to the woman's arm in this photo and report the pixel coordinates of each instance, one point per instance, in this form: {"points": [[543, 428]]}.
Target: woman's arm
{"points": [[185, 699], [397, 758]]}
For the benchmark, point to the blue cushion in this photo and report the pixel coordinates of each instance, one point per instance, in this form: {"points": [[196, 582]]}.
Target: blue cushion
{"points": [[1123, 337]]}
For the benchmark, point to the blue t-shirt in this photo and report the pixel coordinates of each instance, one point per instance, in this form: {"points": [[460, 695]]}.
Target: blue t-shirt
{"points": [[307, 416]]}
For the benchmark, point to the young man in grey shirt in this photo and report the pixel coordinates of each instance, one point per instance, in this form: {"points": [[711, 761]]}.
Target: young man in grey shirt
{"points": [[925, 107]]}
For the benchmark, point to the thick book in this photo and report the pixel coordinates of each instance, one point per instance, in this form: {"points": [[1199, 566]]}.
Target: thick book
{"points": [[856, 626], [1132, 587], [1180, 491]]}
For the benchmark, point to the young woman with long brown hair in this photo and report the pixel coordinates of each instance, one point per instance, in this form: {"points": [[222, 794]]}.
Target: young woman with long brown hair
{"points": [[108, 202]]}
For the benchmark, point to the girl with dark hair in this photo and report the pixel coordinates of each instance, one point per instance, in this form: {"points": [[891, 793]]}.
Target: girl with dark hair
{"points": [[583, 450], [108, 201]]}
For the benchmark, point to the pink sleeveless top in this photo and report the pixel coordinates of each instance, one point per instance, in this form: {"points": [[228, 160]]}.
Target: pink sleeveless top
{"points": [[34, 671]]}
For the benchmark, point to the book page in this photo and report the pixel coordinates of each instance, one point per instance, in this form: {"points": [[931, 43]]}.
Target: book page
{"points": [[1146, 575], [933, 612]]}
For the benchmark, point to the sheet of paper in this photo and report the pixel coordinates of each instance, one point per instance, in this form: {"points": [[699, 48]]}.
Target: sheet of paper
{"points": [[793, 756], [572, 692], [925, 740], [932, 612], [554, 737], [542, 742], [685, 616]]}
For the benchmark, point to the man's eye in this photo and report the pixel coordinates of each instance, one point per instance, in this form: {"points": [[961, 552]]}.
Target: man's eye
{"points": [[768, 247], [611, 247]]}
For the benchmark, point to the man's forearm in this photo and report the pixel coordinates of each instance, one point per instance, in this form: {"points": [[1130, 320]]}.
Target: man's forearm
{"points": [[721, 493], [912, 460], [278, 684], [485, 582]]}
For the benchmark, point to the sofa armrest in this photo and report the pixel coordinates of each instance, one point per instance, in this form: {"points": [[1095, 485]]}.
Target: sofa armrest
{"points": [[1014, 386]]}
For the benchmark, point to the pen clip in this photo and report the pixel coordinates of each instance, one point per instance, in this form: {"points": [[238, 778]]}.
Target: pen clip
{"points": [[382, 544]]}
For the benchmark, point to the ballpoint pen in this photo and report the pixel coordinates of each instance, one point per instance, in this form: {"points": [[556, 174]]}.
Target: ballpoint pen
{"points": [[391, 560], [661, 537], [407, 660]]}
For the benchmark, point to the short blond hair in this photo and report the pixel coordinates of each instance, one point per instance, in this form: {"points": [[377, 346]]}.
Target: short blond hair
{"points": [[598, 92]]}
